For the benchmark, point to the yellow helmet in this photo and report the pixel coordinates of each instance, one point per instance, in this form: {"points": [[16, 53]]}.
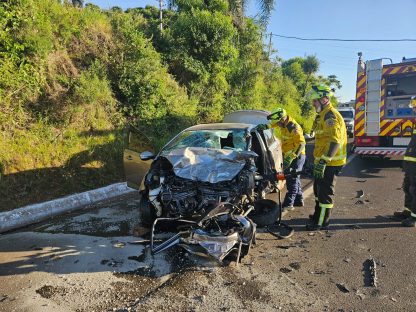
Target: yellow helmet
{"points": [[277, 115], [318, 92]]}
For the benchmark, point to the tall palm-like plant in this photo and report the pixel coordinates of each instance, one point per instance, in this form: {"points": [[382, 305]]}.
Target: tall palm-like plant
{"points": [[238, 8], [310, 66]]}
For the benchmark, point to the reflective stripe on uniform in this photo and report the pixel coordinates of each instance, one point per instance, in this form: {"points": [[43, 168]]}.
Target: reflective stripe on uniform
{"points": [[321, 216], [413, 215], [326, 206], [408, 158], [340, 157], [414, 131]]}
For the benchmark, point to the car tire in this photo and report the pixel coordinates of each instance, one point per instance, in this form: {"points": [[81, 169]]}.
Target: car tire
{"points": [[265, 213], [147, 211]]}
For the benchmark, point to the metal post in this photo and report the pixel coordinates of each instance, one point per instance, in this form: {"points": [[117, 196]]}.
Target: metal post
{"points": [[270, 45], [161, 15]]}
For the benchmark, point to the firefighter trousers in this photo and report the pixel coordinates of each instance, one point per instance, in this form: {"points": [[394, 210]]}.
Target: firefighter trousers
{"points": [[324, 190], [294, 188], [409, 188]]}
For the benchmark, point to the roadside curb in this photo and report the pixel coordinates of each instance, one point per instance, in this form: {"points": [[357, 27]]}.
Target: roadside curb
{"points": [[30, 214]]}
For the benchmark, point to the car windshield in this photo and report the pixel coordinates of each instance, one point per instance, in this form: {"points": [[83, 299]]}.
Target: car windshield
{"points": [[234, 139], [347, 114]]}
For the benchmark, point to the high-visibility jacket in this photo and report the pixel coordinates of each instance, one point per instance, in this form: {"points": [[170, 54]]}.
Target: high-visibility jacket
{"points": [[409, 161], [330, 127], [291, 136]]}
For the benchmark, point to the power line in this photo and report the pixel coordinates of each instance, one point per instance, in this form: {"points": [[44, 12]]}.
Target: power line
{"points": [[348, 40]]}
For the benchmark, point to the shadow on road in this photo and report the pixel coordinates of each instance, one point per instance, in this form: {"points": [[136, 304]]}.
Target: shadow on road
{"points": [[27, 252]]}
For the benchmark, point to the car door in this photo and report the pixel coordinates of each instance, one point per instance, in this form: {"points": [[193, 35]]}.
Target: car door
{"points": [[134, 167], [274, 146]]}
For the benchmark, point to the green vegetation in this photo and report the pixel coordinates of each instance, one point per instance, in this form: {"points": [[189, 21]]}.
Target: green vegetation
{"points": [[72, 77]]}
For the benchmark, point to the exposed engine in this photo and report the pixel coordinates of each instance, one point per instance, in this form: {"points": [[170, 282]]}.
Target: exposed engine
{"points": [[173, 196]]}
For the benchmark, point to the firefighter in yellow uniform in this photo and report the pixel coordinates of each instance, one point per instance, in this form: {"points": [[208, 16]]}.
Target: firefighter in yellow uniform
{"points": [[293, 147], [330, 155], [409, 182]]}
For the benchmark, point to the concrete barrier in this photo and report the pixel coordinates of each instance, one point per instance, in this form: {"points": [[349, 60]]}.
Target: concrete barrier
{"points": [[27, 215]]}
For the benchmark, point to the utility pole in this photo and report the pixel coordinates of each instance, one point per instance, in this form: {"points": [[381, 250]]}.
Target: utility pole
{"points": [[161, 15], [270, 45]]}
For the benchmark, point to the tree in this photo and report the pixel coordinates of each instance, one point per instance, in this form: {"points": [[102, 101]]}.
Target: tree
{"points": [[266, 8], [236, 7], [310, 66], [78, 3], [202, 51], [332, 80]]}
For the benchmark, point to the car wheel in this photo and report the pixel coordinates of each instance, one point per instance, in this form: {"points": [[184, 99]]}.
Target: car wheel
{"points": [[147, 212], [265, 212]]}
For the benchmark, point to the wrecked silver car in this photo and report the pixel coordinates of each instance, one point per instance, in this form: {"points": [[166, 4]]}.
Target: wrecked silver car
{"points": [[205, 169]]}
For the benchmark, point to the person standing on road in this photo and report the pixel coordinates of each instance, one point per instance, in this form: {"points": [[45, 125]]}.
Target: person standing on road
{"points": [[330, 155], [409, 182], [293, 147]]}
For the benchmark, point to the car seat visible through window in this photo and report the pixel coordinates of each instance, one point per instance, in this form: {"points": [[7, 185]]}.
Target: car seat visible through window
{"points": [[228, 141]]}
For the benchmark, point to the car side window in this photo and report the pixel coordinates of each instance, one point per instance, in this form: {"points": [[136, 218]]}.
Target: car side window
{"points": [[138, 142]]}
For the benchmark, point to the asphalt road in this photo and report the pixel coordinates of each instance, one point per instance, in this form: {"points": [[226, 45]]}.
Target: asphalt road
{"points": [[90, 261]]}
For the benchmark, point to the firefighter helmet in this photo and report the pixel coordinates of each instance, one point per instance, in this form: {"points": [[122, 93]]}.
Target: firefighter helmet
{"points": [[277, 115], [318, 92]]}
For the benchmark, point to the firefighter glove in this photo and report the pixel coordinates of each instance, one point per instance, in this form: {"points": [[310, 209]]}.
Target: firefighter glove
{"points": [[287, 161], [319, 169]]}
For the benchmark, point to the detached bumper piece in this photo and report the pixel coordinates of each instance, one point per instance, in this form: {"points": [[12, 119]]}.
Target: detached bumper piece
{"points": [[224, 231]]}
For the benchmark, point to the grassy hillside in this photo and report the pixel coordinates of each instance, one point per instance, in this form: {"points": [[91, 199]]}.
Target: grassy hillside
{"points": [[61, 81]]}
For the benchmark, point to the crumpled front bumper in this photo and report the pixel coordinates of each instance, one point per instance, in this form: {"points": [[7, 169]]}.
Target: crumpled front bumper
{"points": [[197, 239]]}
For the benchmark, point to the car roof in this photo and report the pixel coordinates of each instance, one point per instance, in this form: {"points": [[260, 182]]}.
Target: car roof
{"points": [[222, 126], [248, 116]]}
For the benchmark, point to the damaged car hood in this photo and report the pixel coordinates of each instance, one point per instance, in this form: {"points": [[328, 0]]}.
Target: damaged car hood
{"points": [[208, 164]]}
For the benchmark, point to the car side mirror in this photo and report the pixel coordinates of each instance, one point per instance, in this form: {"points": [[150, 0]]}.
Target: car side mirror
{"points": [[146, 155]]}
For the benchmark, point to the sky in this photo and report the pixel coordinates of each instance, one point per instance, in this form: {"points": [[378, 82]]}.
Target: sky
{"points": [[341, 19]]}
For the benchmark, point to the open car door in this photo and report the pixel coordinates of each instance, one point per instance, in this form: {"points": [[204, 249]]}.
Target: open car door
{"points": [[135, 168]]}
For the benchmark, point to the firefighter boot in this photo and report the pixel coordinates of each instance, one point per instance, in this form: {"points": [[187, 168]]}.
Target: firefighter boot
{"points": [[409, 222], [402, 214], [315, 215], [322, 222]]}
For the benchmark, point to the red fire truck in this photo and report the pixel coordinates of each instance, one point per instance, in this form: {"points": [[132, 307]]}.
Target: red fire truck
{"points": [[383, 119]]}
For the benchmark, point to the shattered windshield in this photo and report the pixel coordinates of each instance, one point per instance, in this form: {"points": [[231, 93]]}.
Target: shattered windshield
{"points": [[234, 139]]}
